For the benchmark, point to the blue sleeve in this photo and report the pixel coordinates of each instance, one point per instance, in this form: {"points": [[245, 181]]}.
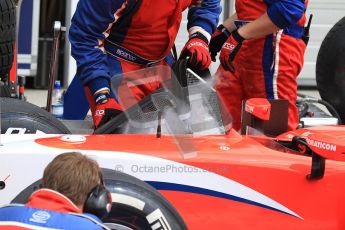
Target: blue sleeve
{"points": [[206, 16], [90, 20], [286, 12]]}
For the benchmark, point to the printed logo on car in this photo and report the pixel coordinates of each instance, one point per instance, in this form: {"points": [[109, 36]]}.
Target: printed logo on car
{"points": [[249, 108], [157, 220], [322, 145], [18, 130]]}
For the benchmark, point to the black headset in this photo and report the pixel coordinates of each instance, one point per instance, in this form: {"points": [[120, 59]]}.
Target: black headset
{"points": [[98, 201]]}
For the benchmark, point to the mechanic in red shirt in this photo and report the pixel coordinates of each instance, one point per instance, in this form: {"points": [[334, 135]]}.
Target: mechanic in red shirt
{"points": [[110, 37], [262, 53], [71, 185]]}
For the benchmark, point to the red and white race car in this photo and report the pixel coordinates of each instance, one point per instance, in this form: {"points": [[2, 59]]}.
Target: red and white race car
{"points": [[177, 164]]}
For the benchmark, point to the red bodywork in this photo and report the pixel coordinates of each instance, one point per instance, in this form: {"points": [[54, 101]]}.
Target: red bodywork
{"points": [[273, 172]]}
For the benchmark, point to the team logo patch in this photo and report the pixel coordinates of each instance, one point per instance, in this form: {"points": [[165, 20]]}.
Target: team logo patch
{"points": [[125, 55], [229, 46], [99, 112], [40, 217], [197, 44]]}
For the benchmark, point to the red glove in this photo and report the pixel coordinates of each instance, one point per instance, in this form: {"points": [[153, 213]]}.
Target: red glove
{"points": [[106, 109], [217, 40], [229, 51], [197, 50]]}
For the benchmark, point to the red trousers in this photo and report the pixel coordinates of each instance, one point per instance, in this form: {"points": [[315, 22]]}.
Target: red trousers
{"points": [[134, 83], [264, 68]]}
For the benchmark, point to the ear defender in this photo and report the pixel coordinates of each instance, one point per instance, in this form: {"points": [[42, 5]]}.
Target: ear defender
{"points": [[98, 202]]}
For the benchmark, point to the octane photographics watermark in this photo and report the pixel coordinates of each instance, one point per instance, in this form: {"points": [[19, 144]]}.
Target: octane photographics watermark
{"points": [[171, 168]]}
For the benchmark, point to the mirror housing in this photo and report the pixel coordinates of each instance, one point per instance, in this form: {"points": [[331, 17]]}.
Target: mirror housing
{"points": [[268, 116]]}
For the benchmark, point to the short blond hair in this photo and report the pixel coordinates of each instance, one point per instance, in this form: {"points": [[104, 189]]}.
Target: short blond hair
{"points": [[73, 175]]}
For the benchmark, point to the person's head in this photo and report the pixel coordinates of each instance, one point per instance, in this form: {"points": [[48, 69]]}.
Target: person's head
{"points": [[73, 175]]}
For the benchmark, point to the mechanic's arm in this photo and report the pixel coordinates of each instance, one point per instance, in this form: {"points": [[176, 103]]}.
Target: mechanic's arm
{"points": [[202, 22], [204, 18], [88, 30], [229, 22], [278, 16], [258, 28]]}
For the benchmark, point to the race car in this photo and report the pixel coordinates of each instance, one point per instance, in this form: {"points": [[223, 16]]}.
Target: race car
{"points": [[172, 161]]}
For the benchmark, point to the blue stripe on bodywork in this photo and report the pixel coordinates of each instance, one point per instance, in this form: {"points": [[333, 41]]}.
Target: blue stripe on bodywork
{"points": [[203, 191], [267, 60]]}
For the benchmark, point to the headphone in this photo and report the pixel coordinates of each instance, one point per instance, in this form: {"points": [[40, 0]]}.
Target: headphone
{"points": [[98, 201]]}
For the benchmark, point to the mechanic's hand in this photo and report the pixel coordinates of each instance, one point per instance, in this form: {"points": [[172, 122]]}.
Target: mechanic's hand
{"points": [[196, 2], [217, 40], [229, 51], [106, 109], [197, 50]]}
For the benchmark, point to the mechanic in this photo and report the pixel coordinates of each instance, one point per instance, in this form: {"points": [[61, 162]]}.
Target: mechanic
{"points": [[110, 37], [71, 183], [262, 53]]}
